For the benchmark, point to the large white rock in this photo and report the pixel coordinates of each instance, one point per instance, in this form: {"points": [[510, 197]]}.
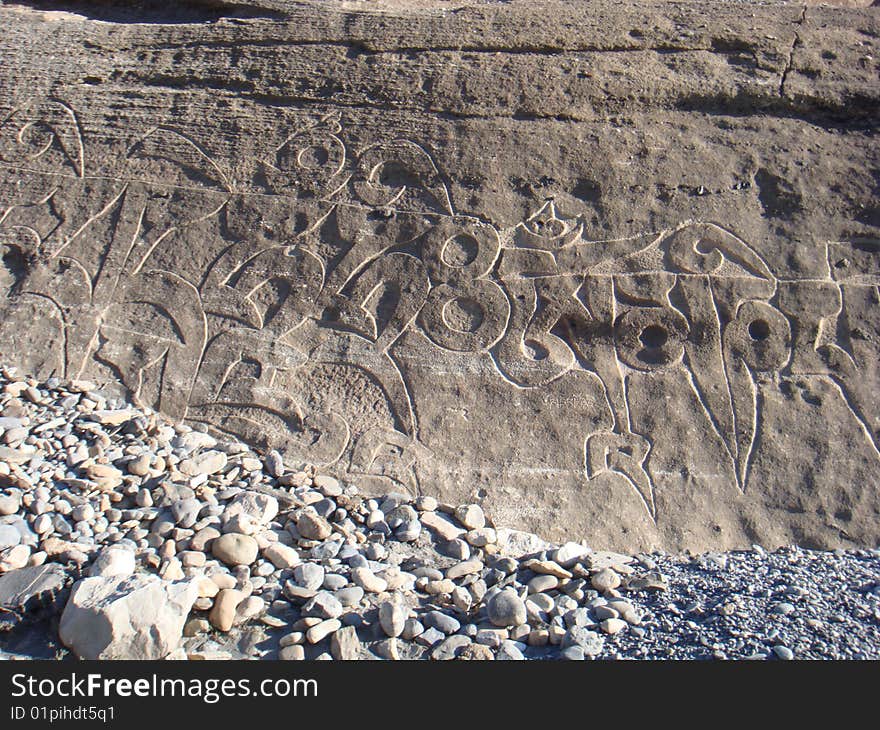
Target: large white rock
{"points": [[517, 543], [136, 617], [261, 507], [114, 561]]}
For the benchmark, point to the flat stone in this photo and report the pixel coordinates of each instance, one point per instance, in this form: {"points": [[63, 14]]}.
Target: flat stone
{"points": [[547, 567], [113, 418], [19, 587], [450, 648], [321, 631], [441, 621], [504, 296], [207, 462], [459, 570], [441, 526]]}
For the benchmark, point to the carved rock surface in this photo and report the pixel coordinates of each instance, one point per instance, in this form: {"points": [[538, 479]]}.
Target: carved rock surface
{"points": [[611, 270]]}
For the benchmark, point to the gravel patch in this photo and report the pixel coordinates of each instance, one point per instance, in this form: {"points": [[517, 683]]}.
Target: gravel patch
{"points": [[109, 513]]}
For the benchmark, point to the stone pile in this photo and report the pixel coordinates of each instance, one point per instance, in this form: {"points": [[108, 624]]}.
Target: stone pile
{"points": [[176, 538]]}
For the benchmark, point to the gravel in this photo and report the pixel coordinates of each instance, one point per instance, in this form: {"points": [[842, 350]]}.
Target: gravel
{"points": [[280, 561]]}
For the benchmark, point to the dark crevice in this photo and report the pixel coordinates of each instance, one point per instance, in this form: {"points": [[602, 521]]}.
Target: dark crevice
{"points": [[154, 12], [789, 64]]}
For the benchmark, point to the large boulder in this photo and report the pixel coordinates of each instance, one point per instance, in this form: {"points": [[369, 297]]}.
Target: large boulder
{"points": [[133, 617]]}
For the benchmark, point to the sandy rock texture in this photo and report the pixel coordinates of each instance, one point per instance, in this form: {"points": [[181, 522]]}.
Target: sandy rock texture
{"points": [[606, 269]]}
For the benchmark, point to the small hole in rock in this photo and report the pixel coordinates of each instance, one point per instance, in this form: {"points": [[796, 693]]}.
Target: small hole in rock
{"points": [[759, 330], [653, 336]]}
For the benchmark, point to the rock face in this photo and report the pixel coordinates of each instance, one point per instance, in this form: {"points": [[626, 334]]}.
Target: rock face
{"points": [[599, 265], [138, 617]]}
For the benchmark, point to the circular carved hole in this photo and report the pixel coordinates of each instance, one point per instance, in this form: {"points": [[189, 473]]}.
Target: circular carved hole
{"points": [[392, 174], [463, 315], [459, 251], [551, 227], [313, 157], [653, 336], [759, 330], [536, 350]]}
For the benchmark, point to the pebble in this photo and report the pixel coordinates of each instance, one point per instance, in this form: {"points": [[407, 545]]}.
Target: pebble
{"points": [[235, 549], [605, 580], [345, 644], [509, 651], [470, 516], [309, 575], [274, 463], [464, 568], [450, 648], [542, 583], [10, 503], [207, 462], [783, 652], [113, 562], [589, 641], [442, 622], [281, 556], [442, 526], [292, 653], [350, 596], [323, 605], [321, 631], [612, 625], [393, 618], [222, 614], [367, 580], [506, 608], [430, 637], [9, 536], [312, 526]]}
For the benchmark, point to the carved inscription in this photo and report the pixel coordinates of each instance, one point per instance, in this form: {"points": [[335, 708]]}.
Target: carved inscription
{"points": [[283, 325]]}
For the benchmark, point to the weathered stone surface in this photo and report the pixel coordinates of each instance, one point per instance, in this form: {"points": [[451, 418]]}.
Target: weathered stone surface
{"points": [[608, 264], [138, 617], [20, 586]]}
